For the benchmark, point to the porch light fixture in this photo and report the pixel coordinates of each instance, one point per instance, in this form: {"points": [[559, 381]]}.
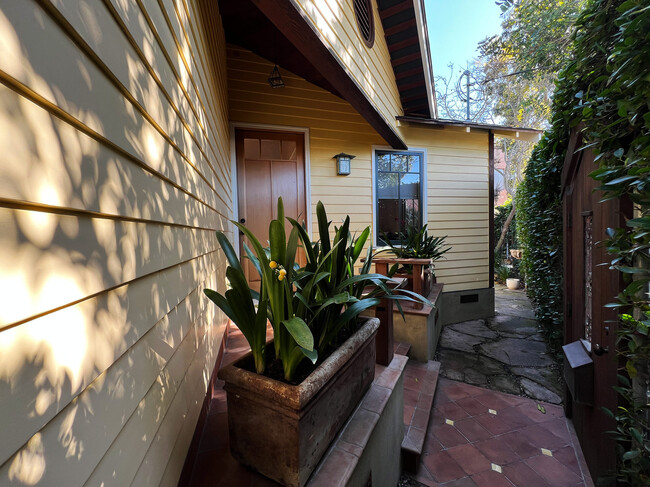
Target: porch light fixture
{"points": [[343, 163], [275, 80]]}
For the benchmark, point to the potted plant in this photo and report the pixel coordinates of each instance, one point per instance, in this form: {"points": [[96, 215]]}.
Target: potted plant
{"points": [[512, 283], [416, 243], [282, 413]]}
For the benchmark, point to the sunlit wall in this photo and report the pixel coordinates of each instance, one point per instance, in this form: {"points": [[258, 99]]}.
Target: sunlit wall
{"points": [[114, 174]]}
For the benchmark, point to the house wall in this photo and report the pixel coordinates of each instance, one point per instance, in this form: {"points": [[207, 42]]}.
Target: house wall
{"points": [[458, 202], [370, 68], [334, 126], [457, 162], [114, 174]]}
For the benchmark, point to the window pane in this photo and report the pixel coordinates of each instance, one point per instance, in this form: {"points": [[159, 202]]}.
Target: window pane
{"points": [[398, 193], [409, 186], [252, 148], [271, 149], [388, 218], [411, 213], [399, 162], [383, 162], [289, 150], [414, 164], [387, 186]]}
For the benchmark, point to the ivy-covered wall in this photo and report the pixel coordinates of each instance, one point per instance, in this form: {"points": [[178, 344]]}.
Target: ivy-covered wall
{"points": [[607, 88]]}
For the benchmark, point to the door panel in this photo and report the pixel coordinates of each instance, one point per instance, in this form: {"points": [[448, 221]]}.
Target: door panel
{"points": [[269, 165]]}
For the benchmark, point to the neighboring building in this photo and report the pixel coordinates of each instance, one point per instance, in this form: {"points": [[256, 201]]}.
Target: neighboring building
{"points": [[500, 192], [131, 131]]}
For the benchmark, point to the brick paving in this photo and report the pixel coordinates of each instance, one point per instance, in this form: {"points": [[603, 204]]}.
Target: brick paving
{"points": [[484, 438]]}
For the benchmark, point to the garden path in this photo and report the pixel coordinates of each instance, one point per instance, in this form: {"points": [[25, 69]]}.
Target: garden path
{"points": [[505, 353], [482, 438]]}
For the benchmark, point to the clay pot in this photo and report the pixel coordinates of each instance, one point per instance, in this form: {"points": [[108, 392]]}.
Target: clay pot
{"points": [[512, 283], [282, 430]]}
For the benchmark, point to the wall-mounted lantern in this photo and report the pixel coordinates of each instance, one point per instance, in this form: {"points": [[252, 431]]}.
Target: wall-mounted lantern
{"points": [[275, 80], [343, 163]]}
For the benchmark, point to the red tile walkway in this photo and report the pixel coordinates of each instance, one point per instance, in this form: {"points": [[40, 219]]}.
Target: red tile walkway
{"points": [[475, 437], [478, 437]]}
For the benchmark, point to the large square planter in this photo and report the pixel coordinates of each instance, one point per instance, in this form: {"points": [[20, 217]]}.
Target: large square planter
{"points": [[282, 430]]}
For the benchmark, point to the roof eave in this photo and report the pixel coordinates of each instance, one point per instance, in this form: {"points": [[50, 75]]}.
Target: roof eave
{"points": [[515, 133], [427, 64]]}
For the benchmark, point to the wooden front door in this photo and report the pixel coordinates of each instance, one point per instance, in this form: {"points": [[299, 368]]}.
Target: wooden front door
{"points": [[269, 165], [589, 286]]}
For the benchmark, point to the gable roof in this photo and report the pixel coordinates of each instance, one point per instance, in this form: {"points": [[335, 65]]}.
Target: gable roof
{"points": [[405, 29], [280, 31]]}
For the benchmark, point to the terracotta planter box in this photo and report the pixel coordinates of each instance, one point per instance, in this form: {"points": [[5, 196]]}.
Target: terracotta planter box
{"points": [[282, 431]]}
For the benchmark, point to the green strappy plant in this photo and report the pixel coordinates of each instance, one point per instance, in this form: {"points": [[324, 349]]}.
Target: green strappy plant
{"points": [[308, 306], [416, 243]]}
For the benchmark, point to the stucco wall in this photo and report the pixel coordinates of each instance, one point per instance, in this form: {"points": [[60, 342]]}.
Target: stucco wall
{"points": [[114, 174]]}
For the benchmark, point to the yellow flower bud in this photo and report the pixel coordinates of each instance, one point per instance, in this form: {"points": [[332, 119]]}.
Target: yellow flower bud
{"points": [[273, 264], [283, 272], [281, 277]]}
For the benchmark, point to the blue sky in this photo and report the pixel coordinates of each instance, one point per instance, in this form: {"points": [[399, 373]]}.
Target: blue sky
{"points": [[456, 27]]}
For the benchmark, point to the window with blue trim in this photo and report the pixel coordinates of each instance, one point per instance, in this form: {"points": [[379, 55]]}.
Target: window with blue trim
{"points": [[399, 193]]}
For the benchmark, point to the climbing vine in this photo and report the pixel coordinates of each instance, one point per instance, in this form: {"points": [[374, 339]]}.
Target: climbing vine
{"points": [[606, 87]]}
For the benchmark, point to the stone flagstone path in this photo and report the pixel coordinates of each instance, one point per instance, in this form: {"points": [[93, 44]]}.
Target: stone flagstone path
{"points": [[505, 353]]}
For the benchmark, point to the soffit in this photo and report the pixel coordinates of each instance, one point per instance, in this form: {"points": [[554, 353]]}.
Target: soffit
{"points": [[405, 29]]}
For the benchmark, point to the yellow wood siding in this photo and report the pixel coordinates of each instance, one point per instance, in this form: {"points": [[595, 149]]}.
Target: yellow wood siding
{"points": [[334, 126], [457, 162], [370, 68], [114, 175], [457, 202]]}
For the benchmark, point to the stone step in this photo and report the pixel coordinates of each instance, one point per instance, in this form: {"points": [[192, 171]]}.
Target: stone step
{"points": [[401, 348], [420, 381]]}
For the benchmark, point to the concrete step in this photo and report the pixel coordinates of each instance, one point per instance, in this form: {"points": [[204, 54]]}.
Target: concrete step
{"points": [[420, 381]]}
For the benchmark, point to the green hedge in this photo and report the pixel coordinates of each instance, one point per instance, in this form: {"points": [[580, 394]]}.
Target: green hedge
{"points": [[539, 229], [607, 88]]}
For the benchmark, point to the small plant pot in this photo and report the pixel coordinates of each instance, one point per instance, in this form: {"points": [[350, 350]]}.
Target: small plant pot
{"points": [[512, 283]]}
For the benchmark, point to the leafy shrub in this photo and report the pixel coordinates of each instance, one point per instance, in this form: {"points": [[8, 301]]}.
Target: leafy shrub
{"points": [[606, 88]]}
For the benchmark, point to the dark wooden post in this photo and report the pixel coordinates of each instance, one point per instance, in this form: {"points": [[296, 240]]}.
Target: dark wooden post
{"points": [[384, 311]]}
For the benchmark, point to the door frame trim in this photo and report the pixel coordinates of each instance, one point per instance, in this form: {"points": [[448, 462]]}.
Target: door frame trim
{"points": [[233, 169]]}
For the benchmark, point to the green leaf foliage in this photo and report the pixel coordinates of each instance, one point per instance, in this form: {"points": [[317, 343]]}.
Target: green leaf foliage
{"points": [[308, 307], [604, 90]]}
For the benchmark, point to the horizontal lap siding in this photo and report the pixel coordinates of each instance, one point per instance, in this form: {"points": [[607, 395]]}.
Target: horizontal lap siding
{"points": [[457, 165], [370, 68], [115, 175], [333, 125], [458, 202]]}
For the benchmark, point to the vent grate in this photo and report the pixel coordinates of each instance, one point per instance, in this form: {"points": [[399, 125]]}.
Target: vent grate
{"points": [[365, 20]]}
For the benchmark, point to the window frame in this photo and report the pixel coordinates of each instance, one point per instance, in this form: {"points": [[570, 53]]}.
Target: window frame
{"points": [[376, 150]]}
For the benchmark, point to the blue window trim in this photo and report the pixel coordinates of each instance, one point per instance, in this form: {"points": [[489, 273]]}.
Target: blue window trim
{"points": [[379, 152]]}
